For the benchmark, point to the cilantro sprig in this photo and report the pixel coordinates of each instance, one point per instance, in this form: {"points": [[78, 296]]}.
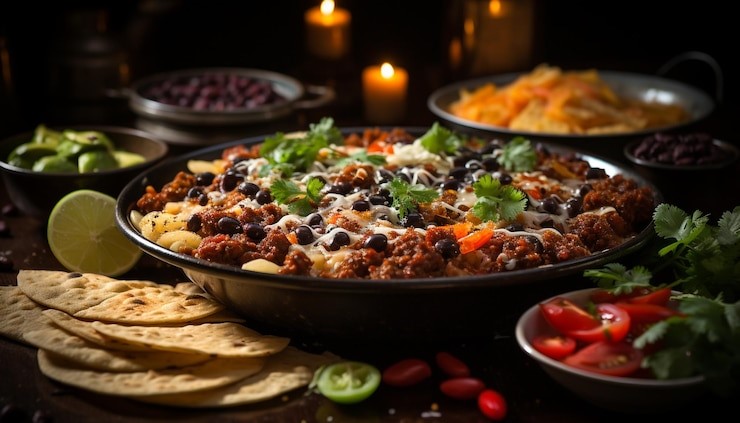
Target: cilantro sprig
{"points": [[362, 157], [620, 280], [439, 139], [407, 197], [290, 154], [518, 155], [495, 201], [298, 201]]}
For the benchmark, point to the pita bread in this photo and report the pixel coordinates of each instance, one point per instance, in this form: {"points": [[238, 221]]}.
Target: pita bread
{"points": [[218, 339], [211, 374], [91, 356], [283, 372], [18, 314]]}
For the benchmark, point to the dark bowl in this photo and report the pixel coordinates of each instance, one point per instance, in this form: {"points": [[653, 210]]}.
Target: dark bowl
{"points": [[728, 152], [36, 193], [370, 310]]}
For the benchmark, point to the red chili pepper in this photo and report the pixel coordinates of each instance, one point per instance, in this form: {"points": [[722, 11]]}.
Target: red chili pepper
{"points": [[492, 404], [462, 388], [407, 372], [451, 365]]}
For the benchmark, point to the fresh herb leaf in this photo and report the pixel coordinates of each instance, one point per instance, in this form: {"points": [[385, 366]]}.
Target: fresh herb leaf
{"points": [[407, 197], [298, 201], [495, 201], [291, 154], [618, 279], [672, 222], [439, 139], [362, 157], [518, 155]]}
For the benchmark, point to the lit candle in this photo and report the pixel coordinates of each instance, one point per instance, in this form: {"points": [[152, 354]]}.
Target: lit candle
{"points": [[384, 92], [327, 30]]}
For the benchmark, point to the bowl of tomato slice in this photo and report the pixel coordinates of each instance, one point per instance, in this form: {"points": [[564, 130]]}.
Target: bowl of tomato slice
{"points": [[584, 340]]}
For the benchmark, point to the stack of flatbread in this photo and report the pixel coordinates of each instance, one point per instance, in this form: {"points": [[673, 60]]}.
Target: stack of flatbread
{"points": [[156, 343]]}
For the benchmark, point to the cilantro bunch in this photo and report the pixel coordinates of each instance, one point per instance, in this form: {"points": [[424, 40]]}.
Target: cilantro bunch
{"points": [[518, 155], [439, 139], [295, 154], [496, 201], [302, 202], [407, 197]]}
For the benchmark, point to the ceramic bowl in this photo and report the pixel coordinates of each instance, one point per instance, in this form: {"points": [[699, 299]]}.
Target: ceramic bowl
{"points": [[616, 393], [36, 193]]}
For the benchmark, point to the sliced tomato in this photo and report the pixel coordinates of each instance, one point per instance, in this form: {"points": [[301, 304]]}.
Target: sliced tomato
{"points": [[613, 327], [475, 240], [554, 346], [565, 316], [657, 297], [608, 358], [638, 295], [646, 312]]}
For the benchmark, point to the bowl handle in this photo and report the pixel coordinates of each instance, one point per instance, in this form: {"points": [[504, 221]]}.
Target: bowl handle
{"points": [[325, 95], [701, 57]]}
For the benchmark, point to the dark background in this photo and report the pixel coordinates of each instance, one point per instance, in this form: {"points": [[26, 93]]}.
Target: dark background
{"points": [[59, 59]]}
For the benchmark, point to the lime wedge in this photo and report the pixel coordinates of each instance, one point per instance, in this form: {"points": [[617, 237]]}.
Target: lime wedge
{"points": [[83, 235]]}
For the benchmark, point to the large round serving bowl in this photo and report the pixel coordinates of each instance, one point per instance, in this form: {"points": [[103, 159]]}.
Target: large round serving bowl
{"points": [[616, 393], [362, 309], [36, 193]]}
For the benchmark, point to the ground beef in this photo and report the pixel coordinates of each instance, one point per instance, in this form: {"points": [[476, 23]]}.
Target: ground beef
{"points": [[410, 256], [559, 248], [175, 190], [359, 176], [634, 204], [274, 247], [358, 264], [596, 231], [225, 249], [296, 263]]}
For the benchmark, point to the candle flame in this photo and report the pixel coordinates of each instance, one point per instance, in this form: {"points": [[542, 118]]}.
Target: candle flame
{"points": [[386, 70], [327, 7], [495, 7]]}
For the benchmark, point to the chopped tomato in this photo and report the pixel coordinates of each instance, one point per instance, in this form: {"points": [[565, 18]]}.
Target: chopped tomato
{"points": [[461, 229], [614, 325], [380, 146], [475, 240], [554, 346], [565, 316], [608, 358]]}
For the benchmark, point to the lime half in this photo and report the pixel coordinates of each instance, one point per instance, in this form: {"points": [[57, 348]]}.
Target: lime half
{"points": [[83, 235]]}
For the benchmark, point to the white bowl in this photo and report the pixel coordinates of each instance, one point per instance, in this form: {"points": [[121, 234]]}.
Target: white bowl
{"points": [[624, 394]]}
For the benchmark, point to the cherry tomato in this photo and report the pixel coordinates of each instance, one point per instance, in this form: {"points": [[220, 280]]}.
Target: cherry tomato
{"points": [[451, 365], [348, 382], [554, 346], [462, 388], [407, 372], [565, 316], [615, 324], [492, 404], [608, 358]]}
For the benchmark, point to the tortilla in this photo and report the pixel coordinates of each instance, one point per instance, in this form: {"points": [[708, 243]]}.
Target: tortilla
{"points": [[211, 374], [219, 339], [18, 314], [91, 356], [283, 372], [84, 330], [151, 306], [72, 292]]}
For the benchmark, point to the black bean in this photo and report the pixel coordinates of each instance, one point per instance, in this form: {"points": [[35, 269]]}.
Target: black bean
{"points": [[549, 205], [459, 173], [255, 231], [248, 188], [361, 205], [538, 247], [340, 239], [229, 225], [195, 192], [447, 248], [473, 165], [304, 235], [377, 242], [341, 188], [378, 200], [412, 219], [573, 206], [194, 223], [515, 227], [204, 178], [584, 189], [263, 197], [203, 200], [490, 164], [315, 220], [505, 179], [230, 180], [451, 184], [384, 175]]}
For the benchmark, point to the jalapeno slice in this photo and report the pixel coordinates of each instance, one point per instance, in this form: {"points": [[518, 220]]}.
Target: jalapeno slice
{"points": [[348, 382]]}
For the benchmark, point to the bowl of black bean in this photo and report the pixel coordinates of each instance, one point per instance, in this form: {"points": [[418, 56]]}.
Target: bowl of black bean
{"points": [[222, 96], [694, 151]]}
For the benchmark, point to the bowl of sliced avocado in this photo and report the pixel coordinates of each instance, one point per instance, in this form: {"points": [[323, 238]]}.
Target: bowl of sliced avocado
{"points": [[40, 166]]}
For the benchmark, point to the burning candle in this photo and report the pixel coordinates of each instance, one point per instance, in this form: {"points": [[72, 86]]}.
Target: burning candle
{"points": [[327, 30], [384, 93]]}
